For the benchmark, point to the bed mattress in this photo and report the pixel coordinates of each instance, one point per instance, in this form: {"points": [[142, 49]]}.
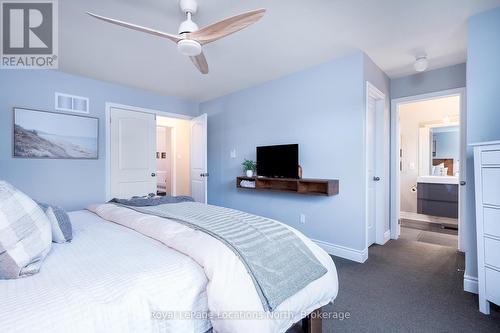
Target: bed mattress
{"points": [[108, 279]]}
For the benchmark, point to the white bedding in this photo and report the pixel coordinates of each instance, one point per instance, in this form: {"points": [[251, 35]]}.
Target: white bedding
{"points": [[108, 279], [230, 289]]}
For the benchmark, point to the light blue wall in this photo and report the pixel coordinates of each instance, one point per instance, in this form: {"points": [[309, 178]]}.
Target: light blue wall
{"points": [[321, 109], [483, 104], [450, 77], [69, 183]]}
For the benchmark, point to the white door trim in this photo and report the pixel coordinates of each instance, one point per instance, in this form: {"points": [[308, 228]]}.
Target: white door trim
{"points": [[107, 120], [395, 147], [381, 162]]}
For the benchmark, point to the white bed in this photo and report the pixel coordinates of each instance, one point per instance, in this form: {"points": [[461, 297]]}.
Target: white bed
{"points": [[124, 276], [230, 289], [108, 279]]}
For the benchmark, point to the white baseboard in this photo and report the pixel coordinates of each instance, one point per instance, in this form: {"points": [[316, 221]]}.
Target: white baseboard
{"points": [[387, 236], [470, 284], [342, 251]]}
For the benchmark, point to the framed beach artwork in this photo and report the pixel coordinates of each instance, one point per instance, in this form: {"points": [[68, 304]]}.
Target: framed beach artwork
{"points": [[43, 134]]}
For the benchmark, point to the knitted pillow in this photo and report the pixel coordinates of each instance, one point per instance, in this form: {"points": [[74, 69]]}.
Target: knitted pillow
{"points": [[62, 231], [25, 234]]}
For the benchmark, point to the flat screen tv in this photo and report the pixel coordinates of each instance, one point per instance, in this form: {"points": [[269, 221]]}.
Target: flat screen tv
{"points": [[280, 161]]}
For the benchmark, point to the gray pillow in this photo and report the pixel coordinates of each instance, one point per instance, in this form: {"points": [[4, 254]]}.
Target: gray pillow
{"points": [[62, 231], [25, 234]]}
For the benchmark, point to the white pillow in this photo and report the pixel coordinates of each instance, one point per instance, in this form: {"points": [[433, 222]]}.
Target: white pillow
{"points": [[25, 234], [437, 169]]}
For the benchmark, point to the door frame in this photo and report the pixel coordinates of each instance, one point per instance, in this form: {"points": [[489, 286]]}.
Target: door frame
{"points": [[396, 146], [381, 235], [107, 122]]}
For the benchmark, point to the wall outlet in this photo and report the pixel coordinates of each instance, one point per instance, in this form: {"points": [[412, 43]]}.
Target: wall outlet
{"points": [[303, 218], [233, 153]]}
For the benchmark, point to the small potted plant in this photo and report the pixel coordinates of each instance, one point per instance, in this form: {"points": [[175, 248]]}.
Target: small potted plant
{"points": [[250, 167]]}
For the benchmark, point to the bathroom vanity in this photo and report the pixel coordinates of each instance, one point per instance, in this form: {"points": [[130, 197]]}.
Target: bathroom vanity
{"points": [[437, 196]]}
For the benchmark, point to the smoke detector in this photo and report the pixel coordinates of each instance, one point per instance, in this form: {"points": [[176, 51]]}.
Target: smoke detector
{"points": [[421, 63]]}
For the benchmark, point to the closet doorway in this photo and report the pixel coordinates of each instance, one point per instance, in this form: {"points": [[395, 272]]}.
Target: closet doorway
{"points": [[155, 152], [165, 158], [173, 162]]}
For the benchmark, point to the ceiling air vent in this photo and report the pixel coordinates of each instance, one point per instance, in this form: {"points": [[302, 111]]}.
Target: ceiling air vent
{"points": [[72, 103]]}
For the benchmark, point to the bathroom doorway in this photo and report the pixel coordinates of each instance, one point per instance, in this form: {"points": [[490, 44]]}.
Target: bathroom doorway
{"points": [[428, 191]]}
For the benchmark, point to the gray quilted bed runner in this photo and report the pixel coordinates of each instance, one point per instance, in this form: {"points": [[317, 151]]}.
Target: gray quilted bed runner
{"points": [[279, 263]]}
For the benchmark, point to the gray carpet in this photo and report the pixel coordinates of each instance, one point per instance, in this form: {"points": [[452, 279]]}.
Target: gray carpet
{"points": [[407, 286]]}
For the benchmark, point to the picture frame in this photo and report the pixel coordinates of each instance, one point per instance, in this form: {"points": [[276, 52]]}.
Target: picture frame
{"points": [[39, 134]]}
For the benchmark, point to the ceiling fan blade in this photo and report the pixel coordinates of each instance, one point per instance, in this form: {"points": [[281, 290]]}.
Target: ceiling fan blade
{"points": [[173, 38], [226, 27], [200, 62]]}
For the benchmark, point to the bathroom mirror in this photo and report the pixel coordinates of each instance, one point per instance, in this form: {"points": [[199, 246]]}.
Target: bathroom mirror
{"points": [[439, 150], [445, 153]]}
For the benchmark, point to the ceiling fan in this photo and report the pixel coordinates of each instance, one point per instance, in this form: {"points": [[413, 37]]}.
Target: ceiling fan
{"points": [[190, 38]]}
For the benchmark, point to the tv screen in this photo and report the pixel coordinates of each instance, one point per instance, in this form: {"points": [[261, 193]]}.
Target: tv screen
{"points": [[278, 161]]}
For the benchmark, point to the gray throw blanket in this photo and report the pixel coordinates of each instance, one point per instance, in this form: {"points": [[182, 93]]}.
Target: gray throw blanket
{"points": [[279, 263], [151, 200]]}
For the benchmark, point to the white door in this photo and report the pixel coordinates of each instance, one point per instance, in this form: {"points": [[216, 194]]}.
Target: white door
{"points": [[377, 168], [371, 195], [199, 172], [133, 153], [462, 189]]}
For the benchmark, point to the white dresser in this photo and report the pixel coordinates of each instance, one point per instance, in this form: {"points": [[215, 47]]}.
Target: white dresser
{"points": [[487, 184]]}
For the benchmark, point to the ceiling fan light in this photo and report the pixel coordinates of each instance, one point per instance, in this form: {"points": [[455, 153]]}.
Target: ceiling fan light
{"points": [[189, 47], [421, 64]]}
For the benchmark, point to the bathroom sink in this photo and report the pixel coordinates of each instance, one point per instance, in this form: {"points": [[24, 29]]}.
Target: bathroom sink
{"points": [[438, 179]]}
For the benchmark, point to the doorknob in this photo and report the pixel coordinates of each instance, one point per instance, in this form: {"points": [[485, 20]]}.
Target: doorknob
{"points": [[153, 174], [376, 179], [205, 174], [462, 182]]}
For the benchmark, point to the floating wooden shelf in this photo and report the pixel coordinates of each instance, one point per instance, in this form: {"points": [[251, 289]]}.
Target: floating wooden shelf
{"points": [[324, 187]]}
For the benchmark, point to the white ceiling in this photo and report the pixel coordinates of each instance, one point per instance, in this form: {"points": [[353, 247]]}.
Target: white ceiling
{"points": [[293, 35]]}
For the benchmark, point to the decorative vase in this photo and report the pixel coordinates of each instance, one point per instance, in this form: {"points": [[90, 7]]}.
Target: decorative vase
{"points": [[249, 173]]}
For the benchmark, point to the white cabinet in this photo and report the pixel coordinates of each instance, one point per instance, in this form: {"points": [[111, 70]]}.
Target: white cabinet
{"points": [[487, 184]]}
